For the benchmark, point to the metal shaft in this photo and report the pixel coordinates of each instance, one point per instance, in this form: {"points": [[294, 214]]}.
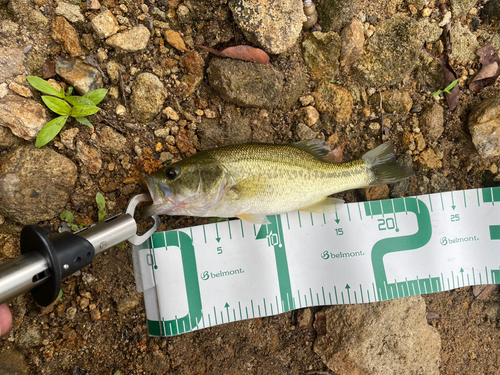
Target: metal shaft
{"points": [[29, 270], [22, 274]]}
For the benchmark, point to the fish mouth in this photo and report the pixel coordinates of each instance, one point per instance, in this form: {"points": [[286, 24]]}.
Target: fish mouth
{"points": [[161, 195]]}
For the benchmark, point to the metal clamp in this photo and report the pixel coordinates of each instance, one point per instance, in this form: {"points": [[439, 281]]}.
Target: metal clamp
{"points": [[135, 239]]}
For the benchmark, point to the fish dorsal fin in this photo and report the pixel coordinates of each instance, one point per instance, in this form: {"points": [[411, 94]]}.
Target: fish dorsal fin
{"points": [[326, 205], [316, 147], [255, 218]]}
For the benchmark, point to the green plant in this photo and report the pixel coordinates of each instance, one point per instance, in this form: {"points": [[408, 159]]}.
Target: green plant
{"points": [[69, 219], [60, 295], [101, 206], [447, 89], [65, 105]]}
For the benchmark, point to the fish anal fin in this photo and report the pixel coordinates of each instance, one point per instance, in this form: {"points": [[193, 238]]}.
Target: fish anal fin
{"points": [[326, 205], [254, 218]]}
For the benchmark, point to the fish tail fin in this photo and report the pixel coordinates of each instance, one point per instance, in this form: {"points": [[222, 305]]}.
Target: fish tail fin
{"points": [[383, 165]]}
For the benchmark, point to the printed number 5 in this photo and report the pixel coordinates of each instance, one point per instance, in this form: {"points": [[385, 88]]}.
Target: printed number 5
{"points": [[219, 250], [455, 217]]}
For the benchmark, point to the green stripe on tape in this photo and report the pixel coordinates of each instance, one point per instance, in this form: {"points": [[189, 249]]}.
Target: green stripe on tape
{"points": [[495, 232]]}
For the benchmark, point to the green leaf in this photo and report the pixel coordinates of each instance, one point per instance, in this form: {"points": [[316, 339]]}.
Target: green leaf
{"points": [[118, 372], [101, 215], [50, 130], [450, 86], [75, 227], [96, 96], [438, 92], [60, 295], [43, 86], [70, 90], [100, 200], [75, 100], [84, 121], [121, 245], [56, 105], [82, 110], [67, 216]]}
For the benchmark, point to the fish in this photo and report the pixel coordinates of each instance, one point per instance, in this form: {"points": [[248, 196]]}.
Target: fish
{"points": [[251, 181]]}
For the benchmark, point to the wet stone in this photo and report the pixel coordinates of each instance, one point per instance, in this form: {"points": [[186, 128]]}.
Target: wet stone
{"points": [[7, 139], [432, 122], [70, 11], [484, 127], [105, 24], [64, 33], [24, 117], [403, 345], [429, 159], [148, 96], [175, 40], [391, 53], [352, 40], [111, 141], [307, 115], [275, 26], [132, 40], [12, 63], [304, 132], [245, 83], [68, 137], [89, 156], [333, 100], [321, 53], [35, 184], [81, 76]]}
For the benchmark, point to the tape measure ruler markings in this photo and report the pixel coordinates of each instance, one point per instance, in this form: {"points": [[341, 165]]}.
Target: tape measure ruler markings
{"points": [[202, 276]]}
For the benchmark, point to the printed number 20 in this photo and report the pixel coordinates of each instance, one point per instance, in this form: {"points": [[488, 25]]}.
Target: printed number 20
{"points": [[384, 224]]}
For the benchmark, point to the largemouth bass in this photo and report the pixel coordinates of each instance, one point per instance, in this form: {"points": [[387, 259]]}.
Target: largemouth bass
{"points": [[251, 181]]}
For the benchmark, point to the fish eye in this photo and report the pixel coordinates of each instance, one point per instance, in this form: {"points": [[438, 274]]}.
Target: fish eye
{"points": [[171, 173]]}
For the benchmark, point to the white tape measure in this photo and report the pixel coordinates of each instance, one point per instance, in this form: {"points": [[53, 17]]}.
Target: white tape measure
{"points": [[202, 276]]}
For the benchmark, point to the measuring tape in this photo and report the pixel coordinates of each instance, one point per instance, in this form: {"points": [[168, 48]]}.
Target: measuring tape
{"points": [[365, 252]]}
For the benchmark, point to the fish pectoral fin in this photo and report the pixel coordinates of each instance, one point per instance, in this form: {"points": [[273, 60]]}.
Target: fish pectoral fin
{"points": [[326, 205], [253, 184], [254, 218]]}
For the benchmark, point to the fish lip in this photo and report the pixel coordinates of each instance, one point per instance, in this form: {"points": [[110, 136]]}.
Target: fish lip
{"points": [[160, 194]]}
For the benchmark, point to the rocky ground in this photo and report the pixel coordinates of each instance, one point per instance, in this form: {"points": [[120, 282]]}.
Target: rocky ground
{"points": [[364, 75]]}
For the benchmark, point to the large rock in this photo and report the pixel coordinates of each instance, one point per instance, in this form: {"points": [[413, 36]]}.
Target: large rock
{"points": [[321, 53], [391, 53], [148, 96], [132, 40], [64, 33], [35, 184], [352, 41], [465, 43], [273, 25], [12, 63], [333, 100], [335, 14], [24, 117], [246, 84], [484, 126], [390, 337]]}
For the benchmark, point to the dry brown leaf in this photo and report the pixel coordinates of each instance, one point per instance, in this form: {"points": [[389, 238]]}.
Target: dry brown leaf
{"points": [[449, 76], [242, 52], [490, 69], [337, 154]]}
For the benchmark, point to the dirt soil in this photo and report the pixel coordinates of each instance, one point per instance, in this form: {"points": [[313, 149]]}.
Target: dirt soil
{"points": [[99, 325]]}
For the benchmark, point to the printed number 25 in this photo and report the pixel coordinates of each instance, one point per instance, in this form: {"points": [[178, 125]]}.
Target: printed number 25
{"points": [[455, 217]]}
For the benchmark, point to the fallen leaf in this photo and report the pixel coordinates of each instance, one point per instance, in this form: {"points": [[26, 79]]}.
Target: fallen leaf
{"points": [[490, 69], [449, 76], [337, 154], [483, 291], [49, 68], [175, 40], [246, 53]]}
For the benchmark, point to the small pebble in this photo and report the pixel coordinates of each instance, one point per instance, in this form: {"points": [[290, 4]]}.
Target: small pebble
{"points": [[120, 110], [171, 114]]}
